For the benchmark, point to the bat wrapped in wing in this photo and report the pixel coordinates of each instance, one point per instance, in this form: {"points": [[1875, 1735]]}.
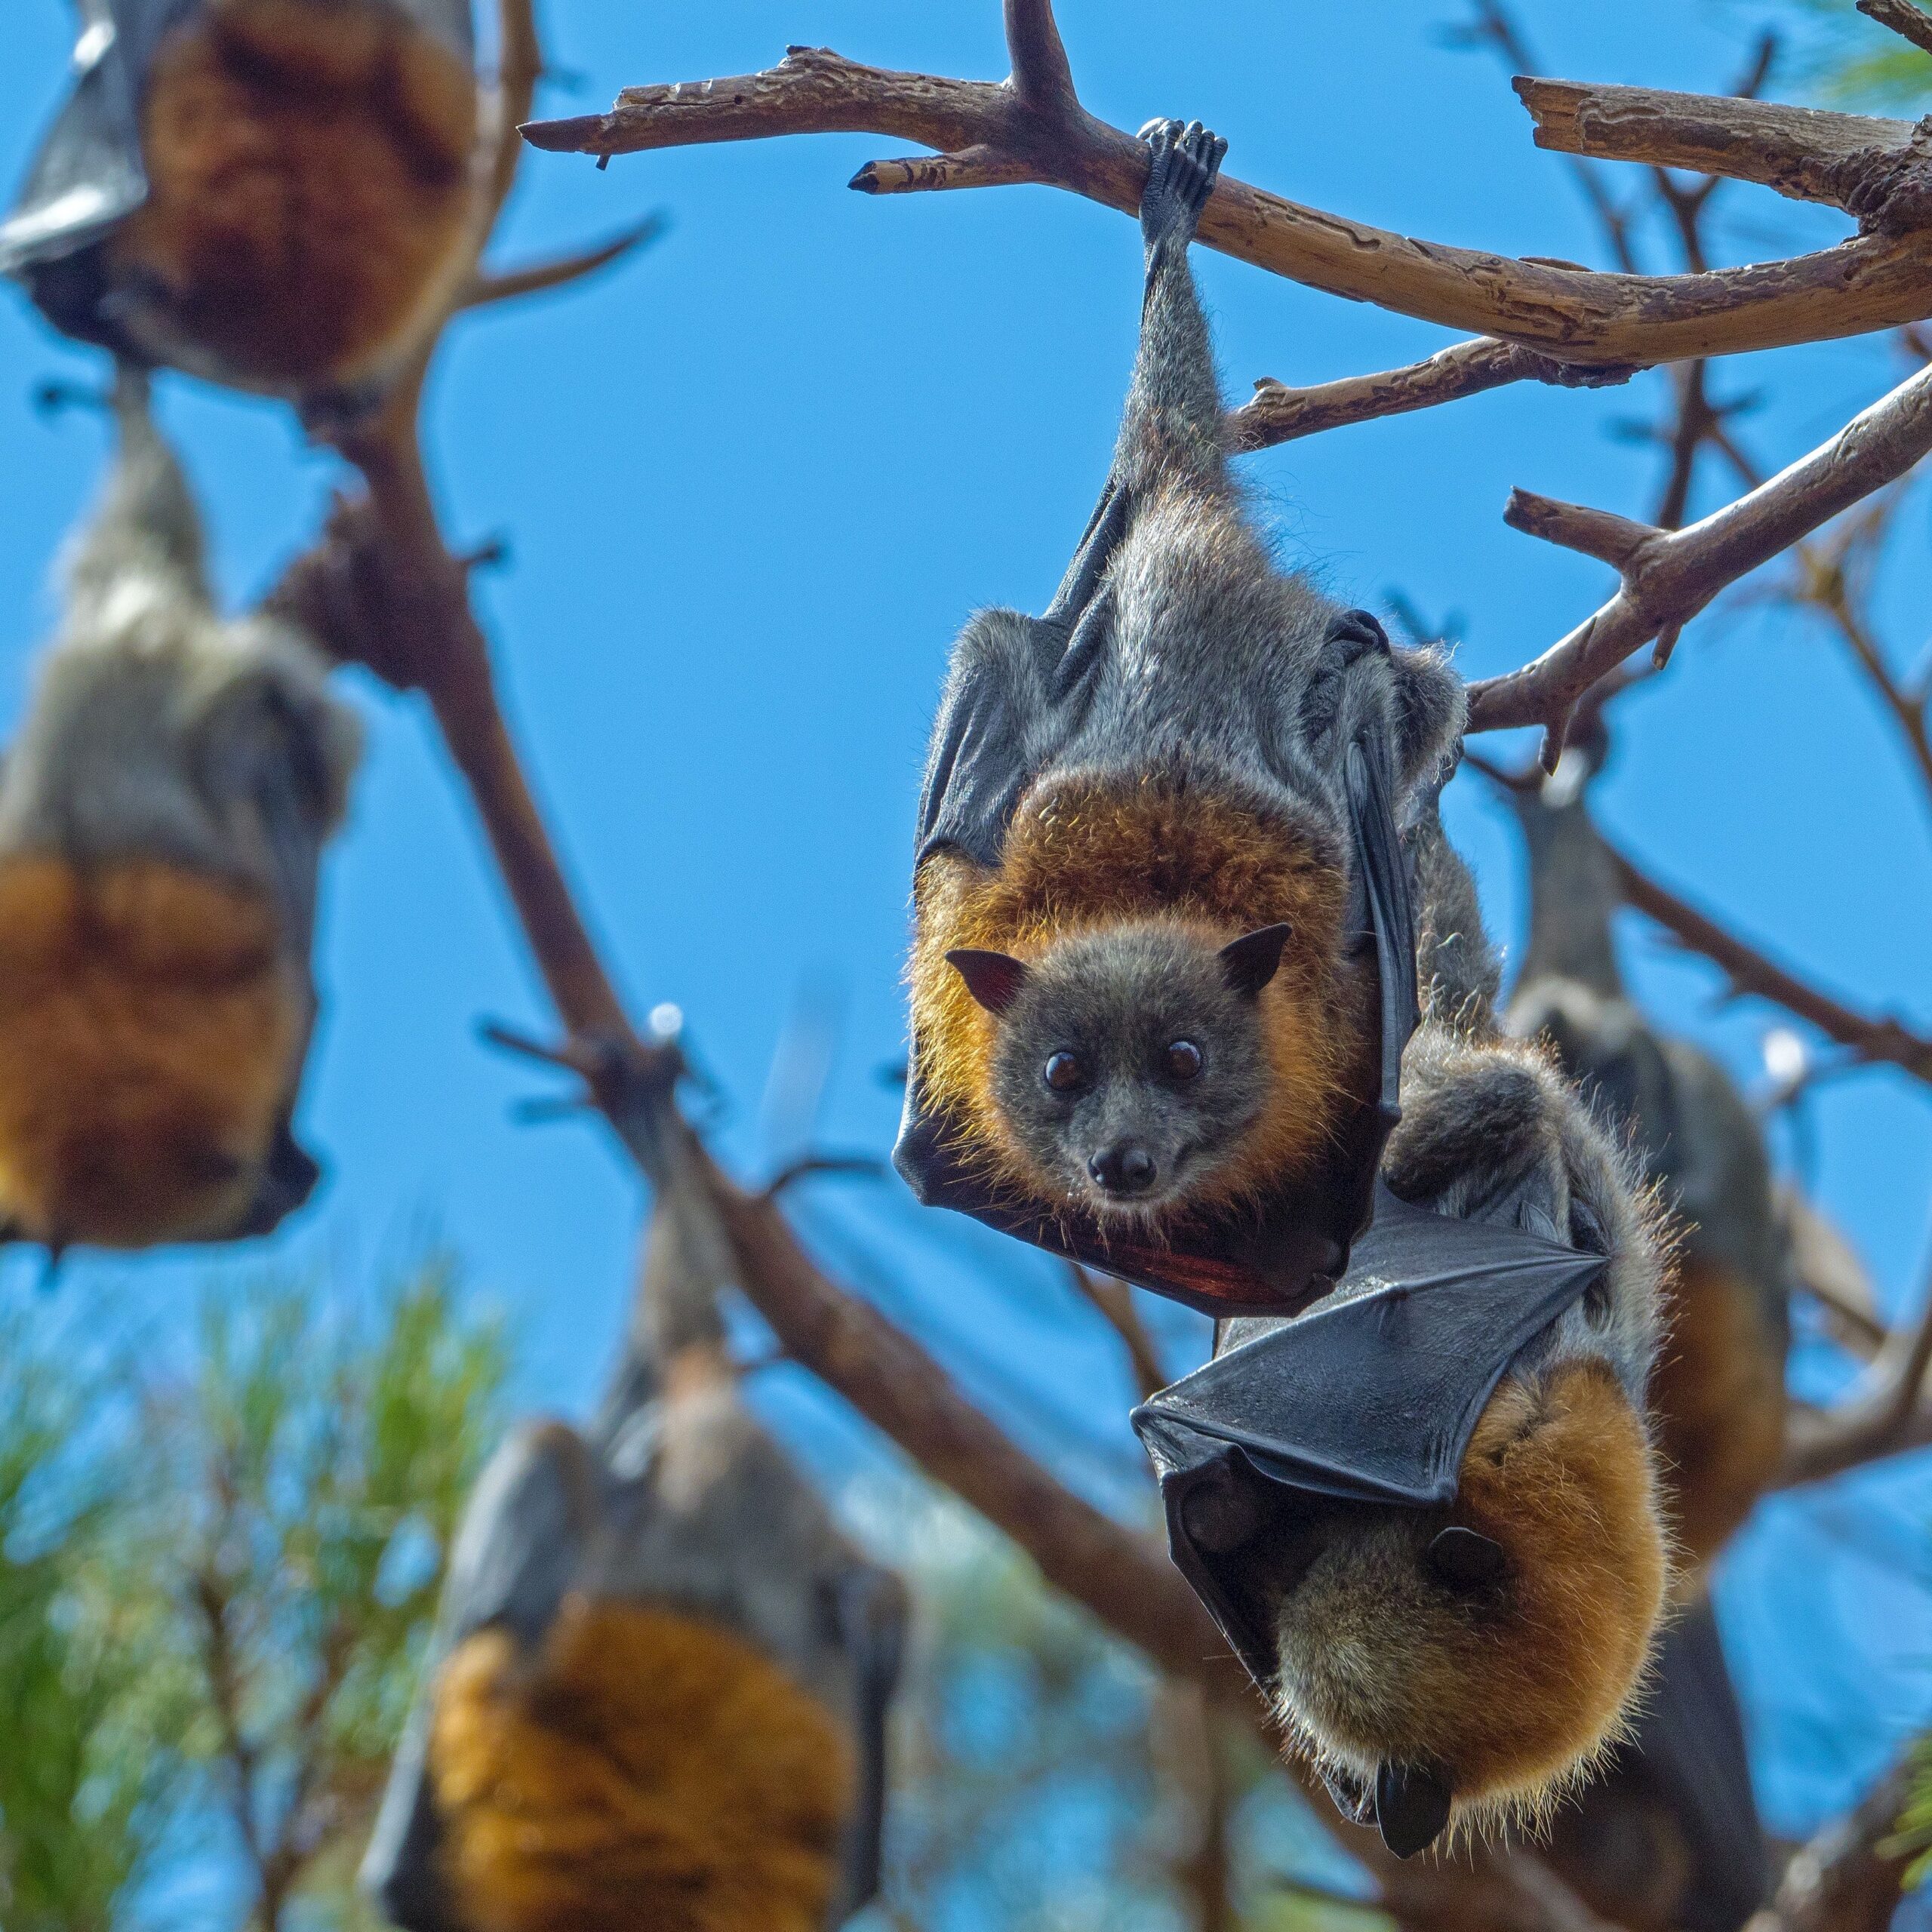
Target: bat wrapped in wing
{"points": [[265, 192], [661, 1680], [1424, 1512], [1719, 1392], [1163, 971], [163, 811]]}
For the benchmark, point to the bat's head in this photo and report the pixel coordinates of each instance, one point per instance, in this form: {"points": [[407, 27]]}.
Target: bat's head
{"points": [[1466, 1664], [1129, 1063]]}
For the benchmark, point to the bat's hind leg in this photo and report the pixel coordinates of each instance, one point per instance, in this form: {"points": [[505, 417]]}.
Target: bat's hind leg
{"points": [[1186, 159], [1172, 431]]}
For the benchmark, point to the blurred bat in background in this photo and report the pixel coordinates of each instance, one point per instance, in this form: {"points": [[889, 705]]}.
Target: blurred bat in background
{"points": [[1719, 1388], [163, 810], [1668, 1839], [660, 1686], [264, 193]]}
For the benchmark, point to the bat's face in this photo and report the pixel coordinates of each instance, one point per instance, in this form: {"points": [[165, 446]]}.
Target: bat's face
{"points": [[1475, 1660], [1128, 1063]]}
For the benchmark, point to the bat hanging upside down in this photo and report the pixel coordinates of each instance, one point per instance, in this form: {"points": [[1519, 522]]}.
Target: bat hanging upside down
{"points": [[1164, 974], [265, 192], [661, 1678], [1155, 886], [1425, 1511], [1719, 1390], [162, 813]]}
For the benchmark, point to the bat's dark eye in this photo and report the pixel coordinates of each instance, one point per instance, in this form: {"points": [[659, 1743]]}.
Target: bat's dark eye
{"points": [[1183, 1061], [1064, 1073]]}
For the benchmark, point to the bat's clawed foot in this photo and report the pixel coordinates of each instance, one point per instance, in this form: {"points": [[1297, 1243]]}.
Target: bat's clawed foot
{"points": [[1186, 159]]}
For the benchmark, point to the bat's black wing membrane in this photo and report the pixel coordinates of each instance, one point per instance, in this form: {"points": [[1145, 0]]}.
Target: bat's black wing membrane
{"points": [[1288, 1250], [1689, 1747], [523, 1537], [1369, 1398], [871, 1612]]}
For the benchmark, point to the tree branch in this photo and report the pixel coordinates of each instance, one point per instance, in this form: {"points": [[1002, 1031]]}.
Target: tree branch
{"points": [[1876, 281], [1041, 76], [1885, 1041], [1830, 579], [1113, 1302], [506, 285], [1279, 414], [1873, 167], [1675, 574], [1887, 1415], [1902, 18]]}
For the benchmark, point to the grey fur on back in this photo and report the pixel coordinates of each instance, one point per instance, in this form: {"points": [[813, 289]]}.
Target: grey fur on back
{"points": [[156, 728], [1200, 659]]}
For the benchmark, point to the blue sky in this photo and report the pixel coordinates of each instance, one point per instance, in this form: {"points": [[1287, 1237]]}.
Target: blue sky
{"points": [[752, 482]]}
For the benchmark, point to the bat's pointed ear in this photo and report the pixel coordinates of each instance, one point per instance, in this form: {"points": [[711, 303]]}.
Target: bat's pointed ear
{"points": [[993, 979], [1411, 1808], [1248, 964]]}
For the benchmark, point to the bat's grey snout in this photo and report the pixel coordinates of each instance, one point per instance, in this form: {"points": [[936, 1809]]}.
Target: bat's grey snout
{"points": [[1125, 1170]]}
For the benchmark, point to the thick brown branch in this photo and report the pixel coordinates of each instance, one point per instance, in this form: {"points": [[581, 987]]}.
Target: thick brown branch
{"points": [[1876, 281], [1122, 1576], [1040, 73], [1884, 1040], [1677, 572], [381, 589], [1278, 414], [1874, 168], [1912, 22]]}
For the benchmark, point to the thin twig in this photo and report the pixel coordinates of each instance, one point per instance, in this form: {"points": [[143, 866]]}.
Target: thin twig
{"points": [[505, 284], [1114, 1301], [1884, 1040], [1501, 31], [1279, 414], [1886, 1415]]}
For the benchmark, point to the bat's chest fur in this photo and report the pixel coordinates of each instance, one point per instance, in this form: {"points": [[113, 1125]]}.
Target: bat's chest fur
{"points": [[307, 171], [148, 1033], [650, 1768], [1085, 853]]}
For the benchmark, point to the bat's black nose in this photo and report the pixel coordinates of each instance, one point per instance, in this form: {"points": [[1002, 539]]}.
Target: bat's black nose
{"points": [[1126, 1168]]}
